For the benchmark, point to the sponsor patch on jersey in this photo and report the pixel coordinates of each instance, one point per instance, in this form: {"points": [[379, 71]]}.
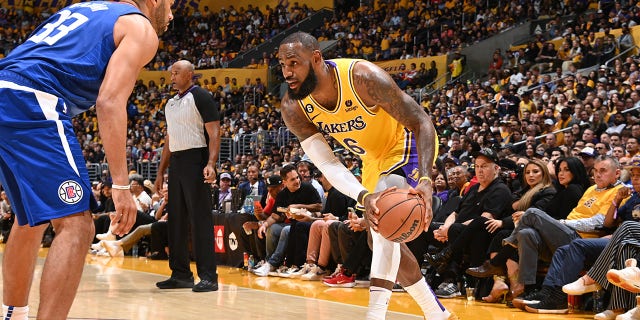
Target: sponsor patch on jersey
{"points": [[70, 192]]}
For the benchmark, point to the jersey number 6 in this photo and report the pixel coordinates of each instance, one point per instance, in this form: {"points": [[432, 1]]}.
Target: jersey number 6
{"points": [[353, 145]]}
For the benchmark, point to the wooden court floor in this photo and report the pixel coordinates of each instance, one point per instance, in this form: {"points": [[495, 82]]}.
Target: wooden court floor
{"points": [[124, 288]]}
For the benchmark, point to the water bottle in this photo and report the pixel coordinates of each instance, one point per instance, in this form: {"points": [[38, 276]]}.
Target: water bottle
{"points": [[248, 205], [251, 262], [134, 250], [598, 301]]}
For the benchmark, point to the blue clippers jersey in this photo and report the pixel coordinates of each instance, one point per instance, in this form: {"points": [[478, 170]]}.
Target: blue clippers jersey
{"points": [[68, 54]]}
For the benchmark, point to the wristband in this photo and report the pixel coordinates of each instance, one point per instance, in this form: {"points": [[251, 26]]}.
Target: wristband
{"points": [[425, 178], [615, 211], [364, 196], [120, 187]]}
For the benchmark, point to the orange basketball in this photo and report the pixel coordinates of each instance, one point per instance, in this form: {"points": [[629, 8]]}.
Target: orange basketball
{"points": [[401, 216]]}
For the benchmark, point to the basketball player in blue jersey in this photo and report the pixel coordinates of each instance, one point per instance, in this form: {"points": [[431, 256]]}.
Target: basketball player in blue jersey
{"points": [[86, 54], [359, 105]]}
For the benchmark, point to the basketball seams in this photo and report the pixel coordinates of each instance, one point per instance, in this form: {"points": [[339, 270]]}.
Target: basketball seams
{"points": [[394, 235]]}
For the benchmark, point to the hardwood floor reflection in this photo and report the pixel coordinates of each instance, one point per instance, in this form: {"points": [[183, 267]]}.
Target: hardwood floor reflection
{"points": [[124, 288]]}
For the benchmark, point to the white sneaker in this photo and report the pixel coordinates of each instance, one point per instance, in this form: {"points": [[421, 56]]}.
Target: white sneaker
{"points": [[302, 271], [113, 248], [279, 271], [633, 314], [106, 236], [606, 315], [96, 246], [102, 253], [257, 266], [288, 273], [627, 278], [315, 274], [264, 270]]}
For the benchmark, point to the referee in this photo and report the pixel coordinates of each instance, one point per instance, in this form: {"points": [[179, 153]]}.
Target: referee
{"points": [[193, 124]]}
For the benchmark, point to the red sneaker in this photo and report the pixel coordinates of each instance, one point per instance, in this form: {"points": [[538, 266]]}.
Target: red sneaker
{"points": [[338, 271], [341, 281]]}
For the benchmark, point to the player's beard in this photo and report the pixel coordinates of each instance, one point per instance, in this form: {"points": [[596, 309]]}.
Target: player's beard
{"points": [[306, 87]]}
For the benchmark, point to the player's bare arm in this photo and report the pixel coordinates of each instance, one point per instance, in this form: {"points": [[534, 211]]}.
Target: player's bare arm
{"points": [[295, 119], [136, 43], [376, 87], [318, 150]]}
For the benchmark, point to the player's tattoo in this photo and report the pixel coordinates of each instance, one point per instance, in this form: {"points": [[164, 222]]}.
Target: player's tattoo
{"points": [[380, 88], [295, 119]]}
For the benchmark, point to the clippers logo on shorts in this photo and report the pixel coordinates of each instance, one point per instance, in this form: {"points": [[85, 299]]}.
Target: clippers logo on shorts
{"points": [[218, 234], [70, 192]]}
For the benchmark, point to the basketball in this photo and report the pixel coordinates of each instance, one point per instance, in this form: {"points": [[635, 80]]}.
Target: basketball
{"points": [[401, 216]]}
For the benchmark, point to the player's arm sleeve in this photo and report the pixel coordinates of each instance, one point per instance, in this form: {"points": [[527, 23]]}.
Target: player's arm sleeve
{"points": [[322, 156]]}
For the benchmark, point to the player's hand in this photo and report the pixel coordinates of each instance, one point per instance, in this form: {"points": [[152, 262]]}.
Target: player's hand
{"points": [[209, 173], [493, 225], [425, 190], [126, 212], [371, 211]]}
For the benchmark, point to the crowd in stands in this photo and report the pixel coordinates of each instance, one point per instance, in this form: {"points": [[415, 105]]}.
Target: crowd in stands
{"points": [[540, 112]]}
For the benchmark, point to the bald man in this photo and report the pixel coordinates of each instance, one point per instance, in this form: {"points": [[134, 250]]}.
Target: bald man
{"points": [[191, 150]]}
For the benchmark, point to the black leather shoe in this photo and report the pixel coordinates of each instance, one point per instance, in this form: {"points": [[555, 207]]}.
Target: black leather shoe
{"points": [[486, 270], [158, 256], [205, 286], [439, 259], [173, 283]]}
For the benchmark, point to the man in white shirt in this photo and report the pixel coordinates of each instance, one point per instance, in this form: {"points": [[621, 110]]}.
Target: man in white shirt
{"points": [[140, 197]]}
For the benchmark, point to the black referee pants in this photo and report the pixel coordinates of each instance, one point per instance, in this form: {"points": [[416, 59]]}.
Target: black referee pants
{"points": [[190, 206]]}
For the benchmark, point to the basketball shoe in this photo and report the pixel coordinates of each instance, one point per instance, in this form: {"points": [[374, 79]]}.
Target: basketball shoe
{"points": [[106, 236], [633, 314], [302, 271], [316, 273], [341, 281], [627, 278], [113, 247]]}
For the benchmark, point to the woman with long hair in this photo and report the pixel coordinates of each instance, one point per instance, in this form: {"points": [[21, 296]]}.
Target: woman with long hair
{"points": [[441, 186], [537, 192], [571, 183]]}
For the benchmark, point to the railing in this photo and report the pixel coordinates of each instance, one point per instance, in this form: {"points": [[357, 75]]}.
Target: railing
{"points": [[543, 135], [148, 169], [229, 148], [308, 24], [620, 55]]}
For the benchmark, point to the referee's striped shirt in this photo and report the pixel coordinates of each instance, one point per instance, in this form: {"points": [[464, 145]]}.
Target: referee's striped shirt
{"points": [[186, 114]]}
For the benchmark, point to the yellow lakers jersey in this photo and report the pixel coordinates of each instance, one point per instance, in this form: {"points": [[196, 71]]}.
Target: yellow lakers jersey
{"points": [[381, 141]]}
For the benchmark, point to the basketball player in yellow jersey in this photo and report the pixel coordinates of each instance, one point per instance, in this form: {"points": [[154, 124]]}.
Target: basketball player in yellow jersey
{"points": [[359, 105]]}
